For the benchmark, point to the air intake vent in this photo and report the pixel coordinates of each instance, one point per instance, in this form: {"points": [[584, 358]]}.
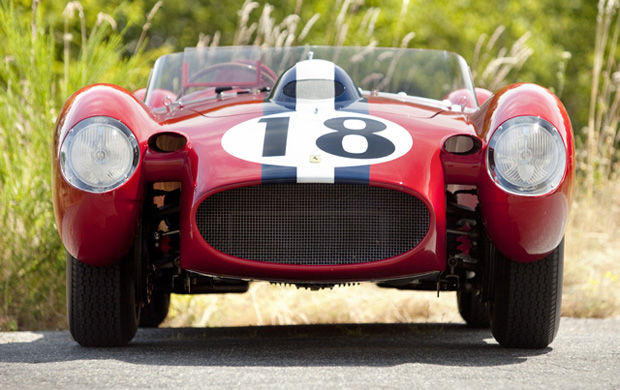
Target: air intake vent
{"points": [[313, 224]]}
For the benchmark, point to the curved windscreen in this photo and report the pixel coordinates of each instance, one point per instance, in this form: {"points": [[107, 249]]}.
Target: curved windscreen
{"points": [[426, 74]]}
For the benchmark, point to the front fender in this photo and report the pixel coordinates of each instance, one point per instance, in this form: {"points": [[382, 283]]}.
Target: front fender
{"points": [[524, 228], [98, 229]]}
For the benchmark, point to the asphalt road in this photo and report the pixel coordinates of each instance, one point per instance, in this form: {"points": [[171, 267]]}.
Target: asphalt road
{"points": [[586, 353]]}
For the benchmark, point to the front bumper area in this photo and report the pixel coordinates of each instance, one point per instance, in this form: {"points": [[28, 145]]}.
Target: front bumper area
{"points": [[312, 233]]}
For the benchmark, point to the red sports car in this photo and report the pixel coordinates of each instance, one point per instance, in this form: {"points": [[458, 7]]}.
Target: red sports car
{"points": [[313, 166]]}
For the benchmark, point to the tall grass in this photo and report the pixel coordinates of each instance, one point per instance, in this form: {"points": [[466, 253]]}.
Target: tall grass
{"points": [[491, 65], [592, 269], [31, 274], [40, 65], [600, 159], [342, 26], [592, 272], [36, 76]]}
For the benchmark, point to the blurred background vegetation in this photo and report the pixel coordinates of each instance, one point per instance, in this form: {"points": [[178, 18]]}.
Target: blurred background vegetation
{"points": [[50, 49]]}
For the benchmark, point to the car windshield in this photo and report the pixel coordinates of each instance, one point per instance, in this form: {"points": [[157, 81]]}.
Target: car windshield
{"points": [[426, 74]]}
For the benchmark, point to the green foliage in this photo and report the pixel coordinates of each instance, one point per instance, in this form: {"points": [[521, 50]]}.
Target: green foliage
{"points": [[31, 273], [554, 28], [602, 154], [34, 83], [67, 45]]}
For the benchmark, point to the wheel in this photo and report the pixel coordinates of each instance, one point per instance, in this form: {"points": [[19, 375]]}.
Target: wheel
{"points": [[156, 311], [526, 299], [101, 303], [474, 312]]}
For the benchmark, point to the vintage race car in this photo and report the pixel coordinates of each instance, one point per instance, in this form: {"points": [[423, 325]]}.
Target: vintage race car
{"points": [[314, 166]]}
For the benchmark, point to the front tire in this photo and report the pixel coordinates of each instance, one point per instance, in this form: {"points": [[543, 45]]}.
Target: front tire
{"points": [[101, 303], [472, 310], [526, 300], [155, 312]]}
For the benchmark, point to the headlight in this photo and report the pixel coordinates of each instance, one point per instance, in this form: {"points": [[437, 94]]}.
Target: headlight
{"points": [[99, 154], [526, 156]]}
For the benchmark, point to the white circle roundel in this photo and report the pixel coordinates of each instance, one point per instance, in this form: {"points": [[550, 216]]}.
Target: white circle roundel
{"points": [[334, 139]]}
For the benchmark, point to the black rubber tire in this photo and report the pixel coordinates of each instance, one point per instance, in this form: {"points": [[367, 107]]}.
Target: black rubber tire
{"points": [[156, 311], [527, 299], [101, 304], [472, 310]]}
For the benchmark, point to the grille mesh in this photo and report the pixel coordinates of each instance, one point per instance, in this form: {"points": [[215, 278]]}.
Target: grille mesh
{"points": [[312, 224]]}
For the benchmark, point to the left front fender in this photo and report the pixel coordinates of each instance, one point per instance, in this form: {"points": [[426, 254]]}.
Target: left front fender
{"points": [[524, 228]]}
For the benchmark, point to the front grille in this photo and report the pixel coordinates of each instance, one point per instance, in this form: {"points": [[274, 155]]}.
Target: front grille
{"points": [[312, 224]]}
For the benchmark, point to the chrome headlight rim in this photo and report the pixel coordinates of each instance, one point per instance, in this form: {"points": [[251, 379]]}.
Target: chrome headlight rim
{"points": [[68, 171], [553, 180]]}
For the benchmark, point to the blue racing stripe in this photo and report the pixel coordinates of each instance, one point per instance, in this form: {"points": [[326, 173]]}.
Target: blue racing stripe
{"points": [[278, 174], [352, 175]]}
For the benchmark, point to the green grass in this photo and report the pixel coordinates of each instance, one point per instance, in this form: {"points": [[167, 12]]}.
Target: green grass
{"points": [[30, 269], [45, 58], [33, 85]]}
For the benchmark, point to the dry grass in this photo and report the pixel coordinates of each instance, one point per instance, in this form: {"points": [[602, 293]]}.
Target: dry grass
{"points": [[592, 269], [591, 285], [600, 159], [492, 64], [266, 304]]}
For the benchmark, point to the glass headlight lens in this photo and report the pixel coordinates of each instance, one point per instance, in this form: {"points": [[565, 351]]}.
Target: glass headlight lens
{"points": [[99, 154], [526, 156]]}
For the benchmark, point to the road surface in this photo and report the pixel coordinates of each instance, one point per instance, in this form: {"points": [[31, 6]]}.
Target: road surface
{"points": [[586, 353]]}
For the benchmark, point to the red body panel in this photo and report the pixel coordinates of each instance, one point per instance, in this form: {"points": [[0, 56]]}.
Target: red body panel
{"points": [[421, 178], [99, 228], [525, 228]]}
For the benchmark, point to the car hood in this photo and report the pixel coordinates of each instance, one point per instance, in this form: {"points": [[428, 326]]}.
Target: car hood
{"points": [[375, 141]]}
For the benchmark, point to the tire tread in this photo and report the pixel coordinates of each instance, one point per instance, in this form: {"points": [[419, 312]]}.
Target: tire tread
{"points": [[472, 309], [100, 305], [526, 308], [156, 311]]}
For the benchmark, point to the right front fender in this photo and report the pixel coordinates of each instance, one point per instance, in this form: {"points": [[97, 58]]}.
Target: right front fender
{"points": [[99, 228]]}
